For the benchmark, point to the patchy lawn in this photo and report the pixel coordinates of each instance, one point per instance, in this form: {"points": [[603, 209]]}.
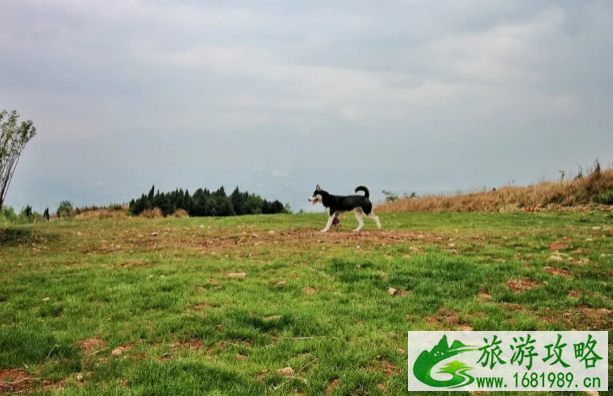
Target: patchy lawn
{"points": [[268, 305]]}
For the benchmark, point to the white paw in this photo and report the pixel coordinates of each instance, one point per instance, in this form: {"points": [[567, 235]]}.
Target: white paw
{"points": [[356, 230], [324, 230]]}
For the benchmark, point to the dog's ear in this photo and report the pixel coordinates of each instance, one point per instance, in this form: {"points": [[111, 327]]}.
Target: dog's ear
{"points": [[318, 188]]}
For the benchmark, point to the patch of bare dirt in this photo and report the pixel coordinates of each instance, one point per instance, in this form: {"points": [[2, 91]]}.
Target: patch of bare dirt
{"points": [[599, 318], [464, 327], [131, 263], [286, 371], [558, 245], [15, 380], [558, 271], [574, 294], [191, 344], [445, 317], [484, 295], [51, 386], [586, 318], [389, 368], [580, 262], [396, 292], [518, 286], [511, 306], [198, 307], [332, 386], [92, 344]]}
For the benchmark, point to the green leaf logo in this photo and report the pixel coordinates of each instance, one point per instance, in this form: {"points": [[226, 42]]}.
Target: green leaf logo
{"points": [[422, 369]]}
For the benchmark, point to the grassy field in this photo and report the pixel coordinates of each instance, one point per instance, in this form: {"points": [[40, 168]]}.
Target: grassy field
{"points": [[219, 306]]}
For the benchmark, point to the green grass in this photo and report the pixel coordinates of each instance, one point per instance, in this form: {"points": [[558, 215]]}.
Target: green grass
{"points": [[187, 328]]}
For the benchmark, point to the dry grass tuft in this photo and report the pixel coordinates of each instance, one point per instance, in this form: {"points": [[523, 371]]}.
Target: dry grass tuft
{"points": [[574, 194], [181, 213], [154, 213], [102, 214]]}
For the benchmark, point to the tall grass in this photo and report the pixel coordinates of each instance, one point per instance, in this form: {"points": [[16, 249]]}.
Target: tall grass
{"points": [[594, 188]]}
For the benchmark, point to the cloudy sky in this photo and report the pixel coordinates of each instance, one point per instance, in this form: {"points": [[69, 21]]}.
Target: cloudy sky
{"points": [[276, 95]]}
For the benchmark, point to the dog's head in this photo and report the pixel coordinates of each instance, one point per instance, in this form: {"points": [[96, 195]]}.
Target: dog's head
{"points": [[317, 195]]}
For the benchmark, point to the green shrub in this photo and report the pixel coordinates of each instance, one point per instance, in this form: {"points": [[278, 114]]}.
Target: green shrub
{"points": [[604, 197], [8, 215]]}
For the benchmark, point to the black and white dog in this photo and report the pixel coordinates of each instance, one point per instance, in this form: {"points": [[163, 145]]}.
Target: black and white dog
{"points": [[337, 204]]}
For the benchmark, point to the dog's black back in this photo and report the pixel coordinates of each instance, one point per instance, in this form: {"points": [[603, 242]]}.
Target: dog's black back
{"points": [[345, 203]]}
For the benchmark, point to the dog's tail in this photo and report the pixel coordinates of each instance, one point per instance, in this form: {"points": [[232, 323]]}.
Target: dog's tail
{"points": [[363, 188]]}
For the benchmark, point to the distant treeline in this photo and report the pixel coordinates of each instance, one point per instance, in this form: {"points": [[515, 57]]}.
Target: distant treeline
{"points": [[206, 203]]}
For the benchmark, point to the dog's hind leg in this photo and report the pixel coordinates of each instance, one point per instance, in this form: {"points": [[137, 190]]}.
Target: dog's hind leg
{"points": [[330, 220], [371, 215], [358, 215]]}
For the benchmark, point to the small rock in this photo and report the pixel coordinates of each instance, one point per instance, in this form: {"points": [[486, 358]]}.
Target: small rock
{"points": [[154, 234], [392, 291], [116, 352], [80, 378], [271, 232], [286, 371]]}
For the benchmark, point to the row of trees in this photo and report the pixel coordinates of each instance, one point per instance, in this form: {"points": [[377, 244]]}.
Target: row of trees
{"points": [[28, 215], [206, 203]]}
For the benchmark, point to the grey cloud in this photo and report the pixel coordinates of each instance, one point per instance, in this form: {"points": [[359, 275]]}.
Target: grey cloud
{"points": [[425, 95]]}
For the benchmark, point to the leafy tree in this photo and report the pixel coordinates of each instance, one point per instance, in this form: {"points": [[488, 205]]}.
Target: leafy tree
{"points": [[13, 138], [8, 214], [64, 207], [27, 211]]}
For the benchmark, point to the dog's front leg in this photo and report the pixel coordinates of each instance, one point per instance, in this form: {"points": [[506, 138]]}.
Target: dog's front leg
{"points": [[330, 220]]}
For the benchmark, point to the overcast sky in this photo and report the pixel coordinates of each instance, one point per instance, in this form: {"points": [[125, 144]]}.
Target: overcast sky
{"points": [[276, 95]]}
